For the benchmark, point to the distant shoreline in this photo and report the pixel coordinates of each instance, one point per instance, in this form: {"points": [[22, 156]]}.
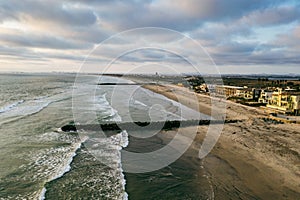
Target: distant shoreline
{"points": [[141, 76]]}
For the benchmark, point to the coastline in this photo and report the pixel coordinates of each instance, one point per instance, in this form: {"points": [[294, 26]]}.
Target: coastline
{"points": [[252, 159], [185, 178]]}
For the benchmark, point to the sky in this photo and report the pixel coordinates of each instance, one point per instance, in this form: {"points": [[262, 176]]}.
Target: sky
{"points": [[213, 36]]}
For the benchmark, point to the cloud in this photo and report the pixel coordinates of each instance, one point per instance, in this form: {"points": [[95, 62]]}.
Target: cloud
{"points": [[68, 29], [289, 40], [272, 16], [177, 15], [40, 41], [8, 51], [54, 12]]}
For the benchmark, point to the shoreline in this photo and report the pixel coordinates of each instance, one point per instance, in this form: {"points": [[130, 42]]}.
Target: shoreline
{"points": [[252, 159], [179, 180]]}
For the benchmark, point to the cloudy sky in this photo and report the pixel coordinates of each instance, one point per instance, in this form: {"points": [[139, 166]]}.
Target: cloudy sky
{"points": [[240, 36]]}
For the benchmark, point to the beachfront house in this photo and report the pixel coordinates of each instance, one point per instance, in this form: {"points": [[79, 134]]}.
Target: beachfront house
{"points": [[265, 96], [240, 92], [285, 102], [295, 99], [228, 91], [250, 94]]}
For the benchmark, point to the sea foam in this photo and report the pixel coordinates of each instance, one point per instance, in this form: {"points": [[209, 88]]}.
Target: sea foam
{"points": [[11, 106]]}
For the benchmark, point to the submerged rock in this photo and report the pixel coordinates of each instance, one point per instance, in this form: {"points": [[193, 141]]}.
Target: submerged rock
{"points": [[69, 128]]}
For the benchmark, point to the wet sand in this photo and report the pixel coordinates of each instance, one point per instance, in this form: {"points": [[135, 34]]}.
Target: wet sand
{"points": [[252, 159], [183, 179]]}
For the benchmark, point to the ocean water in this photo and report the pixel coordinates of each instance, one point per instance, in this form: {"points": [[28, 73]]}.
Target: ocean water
{"points": [[38, 161]]}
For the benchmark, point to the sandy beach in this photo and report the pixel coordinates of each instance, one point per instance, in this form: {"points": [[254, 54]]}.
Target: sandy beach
{"points": [[252, 159]]}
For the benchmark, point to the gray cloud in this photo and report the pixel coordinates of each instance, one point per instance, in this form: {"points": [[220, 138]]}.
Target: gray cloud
{"points": [[13, 51], [56, 12], [227, 29], [272, 16], [41, 41], [178, 15], [256, 54]]}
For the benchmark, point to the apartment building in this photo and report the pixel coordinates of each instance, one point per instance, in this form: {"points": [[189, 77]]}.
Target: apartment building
{"points": [[286, 102]]}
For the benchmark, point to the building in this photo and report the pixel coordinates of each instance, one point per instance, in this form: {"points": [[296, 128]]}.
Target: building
{"points": [[247, 93], [201, 88], [256, 94], [250, 94], [228, 91], [295, 104], [285, 102], [265, 96]]}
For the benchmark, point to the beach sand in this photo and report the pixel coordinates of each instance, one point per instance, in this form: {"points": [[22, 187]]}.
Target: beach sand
{"points": [[252, 159]]}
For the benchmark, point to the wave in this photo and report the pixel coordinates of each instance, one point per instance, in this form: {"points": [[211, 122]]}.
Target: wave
{"points": [[23, 110], [124, 143], [109, 149], [11, 106], [67, 166], [139, 103], [106, 112], [121, 139], [63, 170], [42, 195], [112, 145]]}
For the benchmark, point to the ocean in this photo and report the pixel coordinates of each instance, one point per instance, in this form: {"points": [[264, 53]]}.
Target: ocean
{"points": [[39, 161]]}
